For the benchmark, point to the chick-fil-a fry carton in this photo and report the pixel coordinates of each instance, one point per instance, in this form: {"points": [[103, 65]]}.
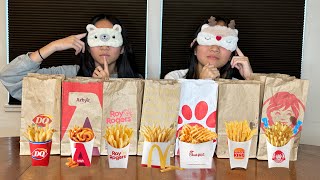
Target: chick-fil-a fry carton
{"points": [[198, 105], [196, 155]]}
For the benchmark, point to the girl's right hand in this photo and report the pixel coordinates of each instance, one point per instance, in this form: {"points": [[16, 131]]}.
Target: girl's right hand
{"points": [[209, 72], [73, 41]]}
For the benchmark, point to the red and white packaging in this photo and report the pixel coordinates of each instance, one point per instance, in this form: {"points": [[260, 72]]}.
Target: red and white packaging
{"points": [[40, 153], [239, 153], [156, 154], [81, 106], [118, 157], [198, 105], [196, 155], [82, 152], [279, 156]]}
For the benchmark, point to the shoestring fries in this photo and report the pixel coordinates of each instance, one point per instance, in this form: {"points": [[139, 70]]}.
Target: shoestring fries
{"points": [[157, 133], [279, 134], [239, 131]]}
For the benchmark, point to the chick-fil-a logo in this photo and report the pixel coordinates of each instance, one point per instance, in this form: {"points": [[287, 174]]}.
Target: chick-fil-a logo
{"points": [[120, 116], [191, 153]]}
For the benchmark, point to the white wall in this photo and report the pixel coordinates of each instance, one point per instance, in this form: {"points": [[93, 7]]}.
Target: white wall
{"points": [[310, 71], [10, 121]]}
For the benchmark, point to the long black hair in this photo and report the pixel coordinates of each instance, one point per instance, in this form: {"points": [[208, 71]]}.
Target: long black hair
{"points": [[225, 71], [125, 64]]}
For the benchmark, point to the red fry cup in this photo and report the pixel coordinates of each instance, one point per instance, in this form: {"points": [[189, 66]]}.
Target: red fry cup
{"points": [[40, 152]]}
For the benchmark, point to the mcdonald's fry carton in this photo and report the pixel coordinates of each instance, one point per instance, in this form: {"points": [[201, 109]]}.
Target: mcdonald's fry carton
{"points": [[156, 154], [196, 155]]}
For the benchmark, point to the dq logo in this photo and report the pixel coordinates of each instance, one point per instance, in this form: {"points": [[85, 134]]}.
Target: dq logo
{"points": [[238, 153], [42, 120], [278, 156], [162, 157], [39, 153]]}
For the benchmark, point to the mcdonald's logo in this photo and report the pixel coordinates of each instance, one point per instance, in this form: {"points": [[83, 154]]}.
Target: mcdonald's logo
{"points": [[162, 156]]}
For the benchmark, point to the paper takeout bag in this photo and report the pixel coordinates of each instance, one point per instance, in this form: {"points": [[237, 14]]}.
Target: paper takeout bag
{"points": [[284, 100], [198, 104], [238, 100], [81, 106], [160, 107], [122, 103], [41, 105]]}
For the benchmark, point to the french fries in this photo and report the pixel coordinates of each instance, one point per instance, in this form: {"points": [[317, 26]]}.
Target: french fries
{"points": [[170, 168], [279, 134], [157, 134], [239, 131], [78, 134], [118, 136], [39, 134], [196, 134], [71, 163]]}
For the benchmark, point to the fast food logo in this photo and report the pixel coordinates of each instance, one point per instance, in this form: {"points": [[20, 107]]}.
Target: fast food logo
{"points": [[119, 116], [118, 155], [39, 153], [278, 156], [238, 153], [192, 153], [162, 156], [80, 155], [42, 120]]}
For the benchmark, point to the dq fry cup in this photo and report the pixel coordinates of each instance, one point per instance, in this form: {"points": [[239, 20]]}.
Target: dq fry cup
{"points": [[40, 152]]}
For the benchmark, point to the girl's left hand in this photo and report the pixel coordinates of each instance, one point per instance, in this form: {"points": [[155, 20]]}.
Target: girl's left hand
{"points": [[242, 63]]}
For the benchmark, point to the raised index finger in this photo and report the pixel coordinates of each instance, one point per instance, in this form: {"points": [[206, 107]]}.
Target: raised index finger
{"points": [[105, 63], [239, 52], [80, 36]]}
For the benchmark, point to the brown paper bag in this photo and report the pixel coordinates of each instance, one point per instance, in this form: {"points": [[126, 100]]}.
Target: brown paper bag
{"points": [[122, 102], [238, 100], [81, 106], [41, 105], [284, 101], [160, 107]]}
